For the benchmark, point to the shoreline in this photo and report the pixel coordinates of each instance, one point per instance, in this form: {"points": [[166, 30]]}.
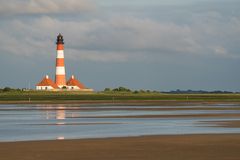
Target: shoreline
{"points": [[167, 147], [128, 102]]}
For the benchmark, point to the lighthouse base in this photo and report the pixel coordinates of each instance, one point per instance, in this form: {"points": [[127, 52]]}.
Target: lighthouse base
{"points": [[73, 84], [49, 88]]}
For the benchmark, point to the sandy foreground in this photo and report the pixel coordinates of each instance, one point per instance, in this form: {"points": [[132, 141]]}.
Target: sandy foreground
{"points": [[182, 147]]}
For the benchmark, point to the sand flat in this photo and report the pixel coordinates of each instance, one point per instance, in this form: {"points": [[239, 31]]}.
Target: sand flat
{"points": [[217, 115], [181, 147], [226, 124]]}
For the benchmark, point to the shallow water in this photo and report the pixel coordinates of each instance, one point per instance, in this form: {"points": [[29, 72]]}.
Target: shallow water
{"points": [[48, 122]]}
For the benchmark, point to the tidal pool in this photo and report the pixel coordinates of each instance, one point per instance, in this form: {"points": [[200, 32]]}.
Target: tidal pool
{"points": [[66, 121]]}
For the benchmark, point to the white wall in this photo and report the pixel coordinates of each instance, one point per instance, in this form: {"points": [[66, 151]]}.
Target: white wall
{"points": [[44, 88], [73, 88], [77, 88], [69, 88]]}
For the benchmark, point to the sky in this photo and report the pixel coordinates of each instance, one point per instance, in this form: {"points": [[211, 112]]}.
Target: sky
{"points": [[140, 44]]}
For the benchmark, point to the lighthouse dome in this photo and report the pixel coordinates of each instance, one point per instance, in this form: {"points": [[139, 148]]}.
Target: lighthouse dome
{"points": [[60, 39]]}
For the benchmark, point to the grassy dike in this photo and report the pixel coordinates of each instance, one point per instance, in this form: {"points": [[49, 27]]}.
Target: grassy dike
{"points": [[67, 96]]}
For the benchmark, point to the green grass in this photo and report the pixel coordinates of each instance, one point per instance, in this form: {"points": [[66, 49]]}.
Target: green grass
{"points": [[70, 96]]}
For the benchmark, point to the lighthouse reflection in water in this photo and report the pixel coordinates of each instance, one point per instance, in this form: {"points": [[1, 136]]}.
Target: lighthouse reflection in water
{"points": [[58, 113]]}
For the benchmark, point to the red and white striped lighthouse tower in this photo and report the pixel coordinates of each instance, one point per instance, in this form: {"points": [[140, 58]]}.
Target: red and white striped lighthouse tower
{"points": [[60, 78]]}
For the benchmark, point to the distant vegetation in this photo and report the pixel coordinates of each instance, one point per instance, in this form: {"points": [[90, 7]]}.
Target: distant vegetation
{"points": [[113, 95], [198, 92], [127, 90], [178, 91], [8, 89]]}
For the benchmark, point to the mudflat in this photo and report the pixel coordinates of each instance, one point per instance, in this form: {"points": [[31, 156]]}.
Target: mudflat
{"points": [[127, 102], [180, 147], [227, 124]]}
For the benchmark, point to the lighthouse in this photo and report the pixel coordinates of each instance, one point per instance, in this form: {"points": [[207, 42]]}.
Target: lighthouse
{"points": [[60, 77]]}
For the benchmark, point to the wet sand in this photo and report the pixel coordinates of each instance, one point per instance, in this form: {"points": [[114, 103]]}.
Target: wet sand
{"points": [[129, 108], [183, 147], [231, 124], [128, 102], [217, 115], [227, 124]]}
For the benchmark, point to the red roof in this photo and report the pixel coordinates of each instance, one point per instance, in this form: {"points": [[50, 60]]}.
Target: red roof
{"points": [[46, 81], [74, 82]]}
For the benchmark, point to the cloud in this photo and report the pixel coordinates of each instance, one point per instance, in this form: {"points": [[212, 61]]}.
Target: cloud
{"points": [[44, 6], [121, 38], [97, 56]]}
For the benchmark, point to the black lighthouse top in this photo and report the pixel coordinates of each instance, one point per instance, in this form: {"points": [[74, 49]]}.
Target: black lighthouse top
{"points": [[59, 39]]}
